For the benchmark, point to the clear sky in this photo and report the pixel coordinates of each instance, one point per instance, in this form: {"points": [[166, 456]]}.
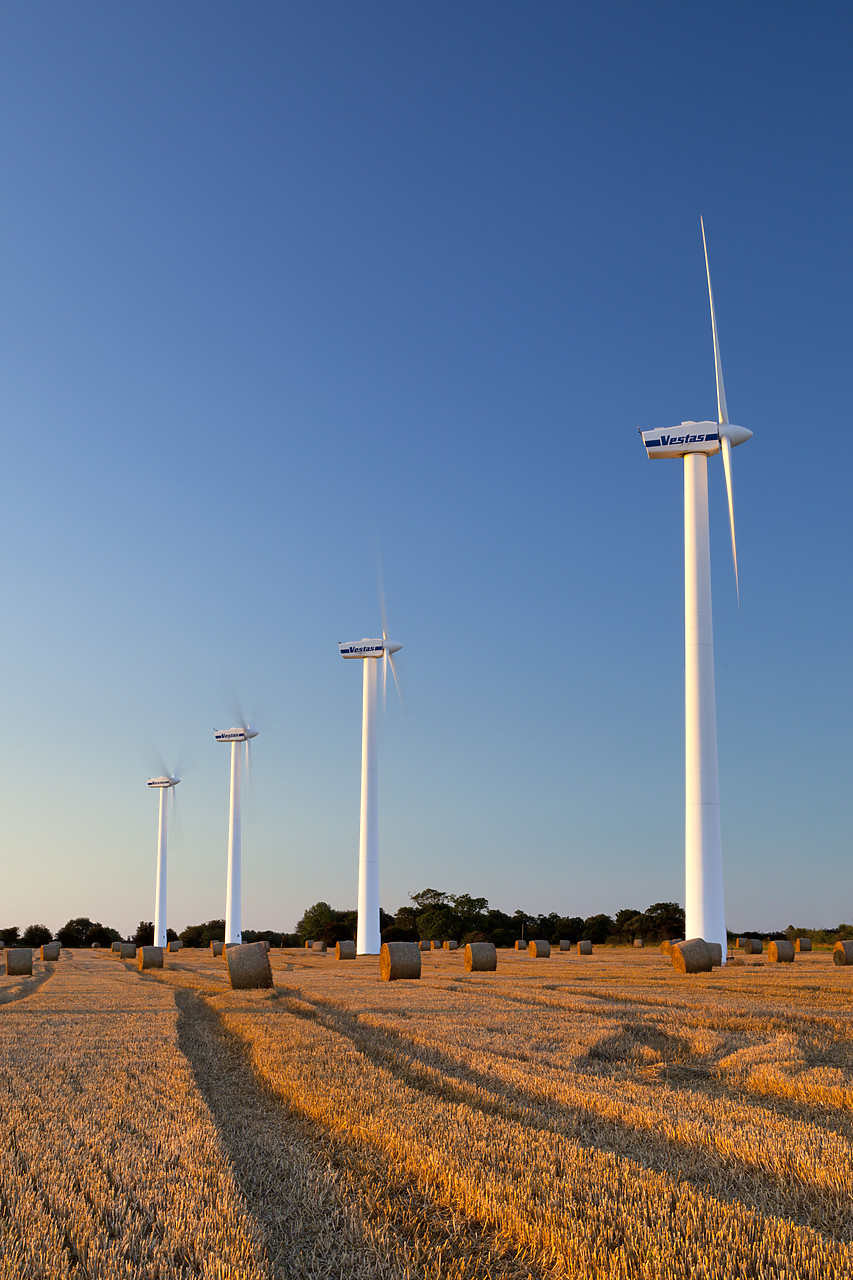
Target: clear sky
{"points": [[281, 279]]}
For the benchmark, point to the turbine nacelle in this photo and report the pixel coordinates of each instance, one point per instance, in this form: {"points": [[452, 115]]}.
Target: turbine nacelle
{"points": [[234, 735], [163, 782], [368, 648], [692, 437]]}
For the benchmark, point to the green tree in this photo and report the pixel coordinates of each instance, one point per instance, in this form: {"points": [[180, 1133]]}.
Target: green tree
{"points": [[11, 936], [36, 935], [315, 921], [144, 936], [82, 932], [664, 920], [598, 928]]}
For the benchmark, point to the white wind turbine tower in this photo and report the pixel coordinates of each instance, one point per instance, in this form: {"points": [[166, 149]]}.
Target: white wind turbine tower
{"points": [[695, 442], [165, 785], [368, 940], [233, 905]]}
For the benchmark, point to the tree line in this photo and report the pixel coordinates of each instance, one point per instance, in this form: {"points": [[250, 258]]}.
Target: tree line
{"points": [[430, 913]]}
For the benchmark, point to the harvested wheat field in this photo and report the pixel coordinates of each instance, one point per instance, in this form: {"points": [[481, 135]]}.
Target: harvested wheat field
{"points": [[565, 1117]]}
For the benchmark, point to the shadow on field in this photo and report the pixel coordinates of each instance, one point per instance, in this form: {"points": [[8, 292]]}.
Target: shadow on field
{"points": [[435, 1073], [308, 1193]]}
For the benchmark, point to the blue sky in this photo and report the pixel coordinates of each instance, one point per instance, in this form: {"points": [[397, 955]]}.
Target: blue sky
{"points": [[284, 279]]}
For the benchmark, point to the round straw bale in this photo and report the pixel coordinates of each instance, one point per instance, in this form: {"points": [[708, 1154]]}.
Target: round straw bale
{"points": [[716, 950], [309, 944], [174, 945], [757, 946], [481, 957], [842, 953], [128, 951], [50, 951], [780, 951], [804, 944], [451, 945], [248, 967], [520, 944], [744, 944], [319, 948], [435, 944], [149, 958], [638, 942], [585, 948], [96, 946], [665, 947], [216, 948], [538, 947], [116, 948], [19, 960], [345, 950], [424, 946], [399, 960], [692, 956], [565, 944]]}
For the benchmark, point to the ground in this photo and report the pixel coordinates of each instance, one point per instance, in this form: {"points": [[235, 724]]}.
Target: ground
{"points": [[565, 1117]]}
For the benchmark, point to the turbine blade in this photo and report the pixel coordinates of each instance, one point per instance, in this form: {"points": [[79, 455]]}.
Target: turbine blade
{"points": [[727, 467], [722, 410], [390, 657], [384, 678]]}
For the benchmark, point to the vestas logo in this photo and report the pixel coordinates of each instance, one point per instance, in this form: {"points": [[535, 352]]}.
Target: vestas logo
{"points": [[668, 442], [346, 650]]}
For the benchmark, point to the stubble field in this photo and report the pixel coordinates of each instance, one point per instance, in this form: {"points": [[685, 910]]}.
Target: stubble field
{"points": [[570, 1117]]}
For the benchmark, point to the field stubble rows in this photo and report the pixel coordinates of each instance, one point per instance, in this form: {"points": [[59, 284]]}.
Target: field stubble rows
{"points": [[598, 1118]]}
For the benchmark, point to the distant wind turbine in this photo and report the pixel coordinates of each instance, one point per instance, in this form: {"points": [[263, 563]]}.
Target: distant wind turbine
{"points": [[695, 442], [164, 784], [233, 904], [368, 940]]}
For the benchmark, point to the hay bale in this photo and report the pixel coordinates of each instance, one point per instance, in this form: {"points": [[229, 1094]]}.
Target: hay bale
{"points": [[116, 948], [149, 958], [425, 946], [451, 945], [520, 944], [174, 945], [538, 947], [665, 947], [804, 944], [585, 948], [345, 950], [217, 948], [842, 953], [565, 945], [96, 946], [19, 961], [50, 951], [638, 942], [319, 948], [757, 946], [481, 957], [309, 944], [399, 960], [248, 967], [780, 951], [128, 951], [716, 950], [744, 944], [692, 956]]}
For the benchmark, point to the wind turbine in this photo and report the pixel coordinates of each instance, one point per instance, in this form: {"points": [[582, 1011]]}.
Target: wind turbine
{"points": [[164, 784], [696, 442], [368, 940], [233, 906]]}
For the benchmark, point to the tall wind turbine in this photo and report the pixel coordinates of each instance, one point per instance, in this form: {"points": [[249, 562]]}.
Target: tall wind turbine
{"points": [[164, 784], [368, 940], [696, 442], [233, 906]]}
